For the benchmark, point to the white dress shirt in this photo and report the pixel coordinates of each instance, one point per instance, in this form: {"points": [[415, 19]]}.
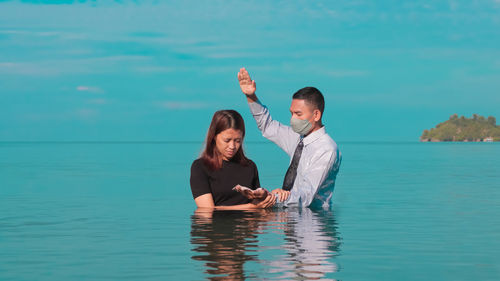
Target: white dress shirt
{"points": [[318, 165]]}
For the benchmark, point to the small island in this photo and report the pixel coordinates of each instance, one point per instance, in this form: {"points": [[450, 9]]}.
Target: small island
{"points": [[462, 129]]}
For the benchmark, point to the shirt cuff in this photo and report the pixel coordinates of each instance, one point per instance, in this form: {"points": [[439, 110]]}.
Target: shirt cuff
{"points": [[280, 204]]}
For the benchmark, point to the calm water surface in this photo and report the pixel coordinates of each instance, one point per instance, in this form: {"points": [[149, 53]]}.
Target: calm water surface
{"points": [[123, 211]]}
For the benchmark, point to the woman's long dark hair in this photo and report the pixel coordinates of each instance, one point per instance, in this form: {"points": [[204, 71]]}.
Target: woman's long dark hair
{"points": [[223, 120]]}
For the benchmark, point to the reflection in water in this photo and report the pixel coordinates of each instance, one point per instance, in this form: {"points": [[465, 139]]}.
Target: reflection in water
{"points": [[303, 243], [222, 238]]}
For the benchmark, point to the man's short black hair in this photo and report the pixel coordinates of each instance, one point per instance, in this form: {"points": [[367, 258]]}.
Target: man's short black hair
{"points": [[312, 96]]}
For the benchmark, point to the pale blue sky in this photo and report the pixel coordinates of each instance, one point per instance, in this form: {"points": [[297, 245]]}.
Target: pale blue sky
{"points": [[156, 71]]}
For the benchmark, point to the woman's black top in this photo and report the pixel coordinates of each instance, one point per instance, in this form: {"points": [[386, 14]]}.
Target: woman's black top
{"points": [[221, 182]]}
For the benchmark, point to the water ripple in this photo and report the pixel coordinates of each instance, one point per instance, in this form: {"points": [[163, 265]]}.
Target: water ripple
{"points": [[292, 244]]}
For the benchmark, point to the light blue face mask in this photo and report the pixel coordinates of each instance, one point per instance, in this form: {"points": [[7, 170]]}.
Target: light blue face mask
{"points": [[300, 126]]}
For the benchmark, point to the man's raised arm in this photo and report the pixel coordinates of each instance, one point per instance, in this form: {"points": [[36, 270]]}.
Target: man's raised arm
{"points": [[271, 129]]}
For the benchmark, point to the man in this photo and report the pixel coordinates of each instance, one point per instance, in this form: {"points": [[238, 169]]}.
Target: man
{"points": [[315, 158]]}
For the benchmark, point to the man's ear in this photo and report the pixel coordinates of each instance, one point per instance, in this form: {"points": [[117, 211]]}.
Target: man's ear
{"points": [[317, 115]]}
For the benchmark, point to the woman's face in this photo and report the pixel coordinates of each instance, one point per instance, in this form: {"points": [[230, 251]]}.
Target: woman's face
{"points": [[228, 142]]}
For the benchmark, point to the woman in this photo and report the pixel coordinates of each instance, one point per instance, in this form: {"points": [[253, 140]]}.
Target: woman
{"points": [[223, 165]]}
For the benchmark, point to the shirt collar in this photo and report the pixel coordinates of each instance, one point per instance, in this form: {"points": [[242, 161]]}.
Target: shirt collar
{"points": [[314, 136]]}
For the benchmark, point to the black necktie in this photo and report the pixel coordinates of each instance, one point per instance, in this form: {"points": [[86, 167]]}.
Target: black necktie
{"points": [[291, 173]]}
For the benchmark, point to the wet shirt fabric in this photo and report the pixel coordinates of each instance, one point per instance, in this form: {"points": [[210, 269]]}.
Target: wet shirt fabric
{"points": [[318, 165], [221, 182]]}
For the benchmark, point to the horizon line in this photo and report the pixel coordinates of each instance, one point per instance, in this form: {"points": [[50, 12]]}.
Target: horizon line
{"points": [[199, 142]]}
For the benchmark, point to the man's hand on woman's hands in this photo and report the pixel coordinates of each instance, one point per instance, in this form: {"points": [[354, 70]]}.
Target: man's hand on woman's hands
{"points": [[281, 194], [268, 202]]}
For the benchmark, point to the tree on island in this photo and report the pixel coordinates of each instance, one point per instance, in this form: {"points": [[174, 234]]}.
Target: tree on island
{"points": [[461, 128]]}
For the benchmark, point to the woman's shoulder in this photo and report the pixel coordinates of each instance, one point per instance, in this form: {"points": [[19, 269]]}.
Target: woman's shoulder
{"points": [[251, 163], [198, 164]]}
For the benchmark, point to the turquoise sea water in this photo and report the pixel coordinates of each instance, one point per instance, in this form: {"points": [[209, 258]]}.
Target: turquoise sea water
{"points": [[123, 211]]}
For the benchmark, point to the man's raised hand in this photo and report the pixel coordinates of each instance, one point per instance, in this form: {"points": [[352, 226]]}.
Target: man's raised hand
{"points": [[247, 85]]}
